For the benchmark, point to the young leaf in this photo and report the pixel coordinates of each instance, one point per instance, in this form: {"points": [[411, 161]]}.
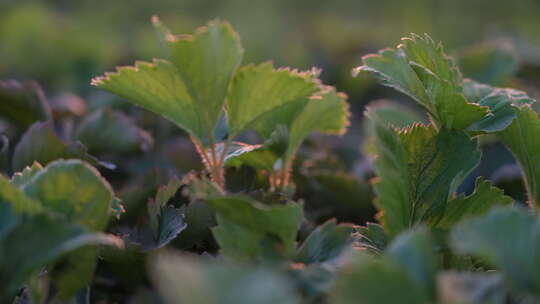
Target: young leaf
{"points": [[372, 238], [326, 113], [189, 89], [256, 223], [484, 197], [325, 243], [206, 62], [420, 68], [417, 170], [498, 100], [508, 238], [185, 279], [262, 97], [159, 88], [521, 137]]}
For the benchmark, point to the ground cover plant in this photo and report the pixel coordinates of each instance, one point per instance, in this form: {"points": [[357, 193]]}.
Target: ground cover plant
{"points": [[97, 206]]}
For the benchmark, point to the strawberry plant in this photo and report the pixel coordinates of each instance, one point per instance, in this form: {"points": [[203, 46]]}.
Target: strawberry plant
{"points": [[203, 90], [84, 220]]}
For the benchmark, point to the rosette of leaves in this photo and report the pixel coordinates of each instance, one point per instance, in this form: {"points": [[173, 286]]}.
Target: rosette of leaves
{"points": [[420, 166], [201, 88]]}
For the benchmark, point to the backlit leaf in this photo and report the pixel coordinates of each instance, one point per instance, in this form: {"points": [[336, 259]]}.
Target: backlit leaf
{"points": [[420, 68], [189, 89], [418, 169]]}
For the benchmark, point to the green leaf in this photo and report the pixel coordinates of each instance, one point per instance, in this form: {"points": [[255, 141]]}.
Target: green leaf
{"points": [[159, 88], [166, 221], [106, 130], [326, 112], [189, 89], [521, 137], [262, 97], [413, 250], [418, 169], [185, 279], [325, 243], [77, 191], [265, 156], [372, 238], [484, 197], [163, 195], [19, 201], [392, 69], [19, 179], [40, 143], [255, 223], [509, 238], [33, 243], [498, 100], [23, 103], [420, 68], [368, 280], [394, 113], [206, 62]]}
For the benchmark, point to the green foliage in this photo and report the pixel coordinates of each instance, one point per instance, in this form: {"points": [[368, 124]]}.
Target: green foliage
{"points": [[79, 202], [185, 279], [166, 221], [75, 193], [407, 270], [23, 103], [40, 143], [247, 229], [325, 243], [106, 130], [29, 242], [200, 79], [521, 138], [260, 238], [484, 197], [420, 69], [509, 239], [418, 168]]}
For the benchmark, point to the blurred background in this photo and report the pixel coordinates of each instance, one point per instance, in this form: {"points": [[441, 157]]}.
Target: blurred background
{"points": [[63, 43]]}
